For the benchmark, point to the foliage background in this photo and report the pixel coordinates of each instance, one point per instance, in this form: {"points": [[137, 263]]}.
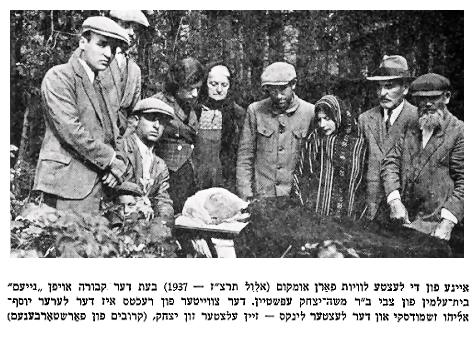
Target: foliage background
{"points": [[333, 51]]}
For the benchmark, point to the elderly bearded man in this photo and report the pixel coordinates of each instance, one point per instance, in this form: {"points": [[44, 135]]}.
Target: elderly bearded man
{"points": [[383, 125], [424, 171], [77, 157]]}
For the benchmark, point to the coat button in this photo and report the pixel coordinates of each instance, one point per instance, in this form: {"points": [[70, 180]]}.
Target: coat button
{"points": [[180, 147], [280, 148]]}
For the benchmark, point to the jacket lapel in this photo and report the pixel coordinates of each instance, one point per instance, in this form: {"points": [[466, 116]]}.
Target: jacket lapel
{"points": [[375, 125], [88, 87]]}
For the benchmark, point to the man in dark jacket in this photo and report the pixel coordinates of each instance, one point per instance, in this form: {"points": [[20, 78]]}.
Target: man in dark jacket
{"points": [[144, 169], [272, 135], [423, 174], [77, 157], [383, 125]]}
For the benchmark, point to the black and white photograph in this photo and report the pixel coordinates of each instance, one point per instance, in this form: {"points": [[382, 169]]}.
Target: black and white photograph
{"points": [[265, 137], [269, 133]]}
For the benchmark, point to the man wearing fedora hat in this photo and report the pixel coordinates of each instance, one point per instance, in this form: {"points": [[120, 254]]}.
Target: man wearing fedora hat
{"points": [[272, 136], [423, 173], [122, 79], [383, 125], [78, 156], [146, 170]]}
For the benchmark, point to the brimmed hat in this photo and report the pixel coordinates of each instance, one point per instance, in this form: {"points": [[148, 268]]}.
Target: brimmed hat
{"points": [[278, 74], [430, 84], [128, 188], [130, 16], [391, 67], [152, 105], [106, 27]]}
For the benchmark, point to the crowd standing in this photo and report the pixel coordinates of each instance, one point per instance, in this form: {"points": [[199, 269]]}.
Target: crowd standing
{"points": [[395, 163]]}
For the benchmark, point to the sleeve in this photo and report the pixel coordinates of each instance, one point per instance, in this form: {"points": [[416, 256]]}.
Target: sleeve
{"points": [[246, 156], [391, 168], [62, 114], [162, 203], [455, 203]]}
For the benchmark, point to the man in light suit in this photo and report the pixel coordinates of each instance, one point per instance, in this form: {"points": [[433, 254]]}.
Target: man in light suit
{"points": [[424, 171], [383, 125], [122, 79], [77, 157]]}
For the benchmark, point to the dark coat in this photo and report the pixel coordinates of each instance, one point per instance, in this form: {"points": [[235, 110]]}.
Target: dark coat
{"points": [[177, 142], [431, 178], [73, 152], [378, 143]]}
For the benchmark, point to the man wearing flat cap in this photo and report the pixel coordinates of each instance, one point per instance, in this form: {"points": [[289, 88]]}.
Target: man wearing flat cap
{"points": [[78, 156], [145, 169], [423, 173], [383, 125], [272, 136], [122, 78]]}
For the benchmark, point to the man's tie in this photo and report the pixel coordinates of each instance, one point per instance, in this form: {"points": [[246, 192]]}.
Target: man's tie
{"points": [[108, 127], [388, 124]]}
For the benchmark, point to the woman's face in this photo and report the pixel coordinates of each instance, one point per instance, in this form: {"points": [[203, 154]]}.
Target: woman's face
{"points": [[218, 83], [327, 125]]}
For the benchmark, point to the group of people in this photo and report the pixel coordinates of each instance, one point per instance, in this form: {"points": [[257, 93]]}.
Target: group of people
{"points": [[394, 163]]}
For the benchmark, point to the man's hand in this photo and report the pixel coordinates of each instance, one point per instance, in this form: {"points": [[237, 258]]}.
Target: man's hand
{"points": [[398, 212], [443, 230], [109, 180], [117, 168]]}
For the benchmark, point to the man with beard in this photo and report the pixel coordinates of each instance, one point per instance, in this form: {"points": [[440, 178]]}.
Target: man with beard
{"points": [[176, 145], [383, 125], [424, 171], [122, 79], [272, 135]]}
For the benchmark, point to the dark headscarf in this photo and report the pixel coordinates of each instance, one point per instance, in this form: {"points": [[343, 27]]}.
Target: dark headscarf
{"points": [[336, 112]]}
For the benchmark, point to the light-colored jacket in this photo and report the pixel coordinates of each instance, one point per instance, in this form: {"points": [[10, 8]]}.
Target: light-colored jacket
{"points": [[73, 152], [269, 148], [124, 88]]}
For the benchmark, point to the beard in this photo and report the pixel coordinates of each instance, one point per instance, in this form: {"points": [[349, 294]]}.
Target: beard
{"points": [[430, 121]]}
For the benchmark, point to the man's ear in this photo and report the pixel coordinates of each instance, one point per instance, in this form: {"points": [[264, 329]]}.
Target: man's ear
{"points": [[293, 84], [447, 96], [82, 42], [134, 120]]}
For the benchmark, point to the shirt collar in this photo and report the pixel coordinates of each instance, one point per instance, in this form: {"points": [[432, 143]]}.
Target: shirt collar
{"points": [[89, 72], [395, 112], [142, 147]]}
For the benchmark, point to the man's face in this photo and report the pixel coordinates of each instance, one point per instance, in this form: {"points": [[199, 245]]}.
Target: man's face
{"points": [[217, 86], [130, 27], [391, 93], [281, 96], [129, 204], [431, 109], [98, 52], [326, 124], [187, 97], [150, 127]]}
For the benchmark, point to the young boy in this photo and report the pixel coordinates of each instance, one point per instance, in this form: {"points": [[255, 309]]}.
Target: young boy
{"points": [[144, 169]]}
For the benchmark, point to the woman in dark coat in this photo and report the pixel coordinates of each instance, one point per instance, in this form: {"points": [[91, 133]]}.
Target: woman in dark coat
{"points": [[220, 121], [331, 165]]}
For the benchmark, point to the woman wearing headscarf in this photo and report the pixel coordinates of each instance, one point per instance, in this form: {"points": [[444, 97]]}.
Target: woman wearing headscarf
{"points": [[329, 174], [220, 121]]}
